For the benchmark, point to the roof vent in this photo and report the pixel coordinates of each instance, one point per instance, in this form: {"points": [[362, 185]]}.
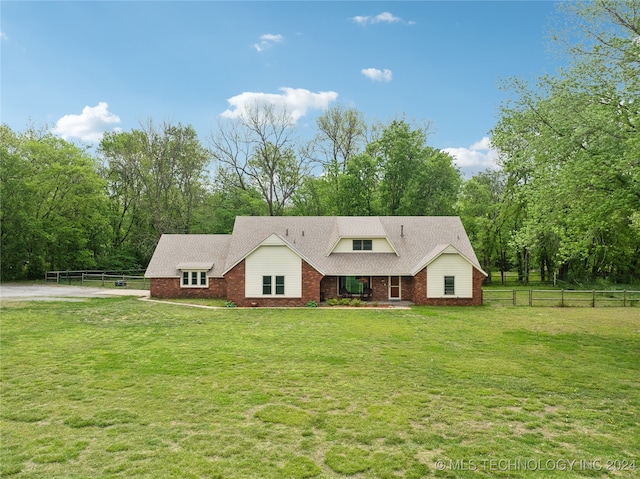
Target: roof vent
{"points": [[302, 232], [402, 231], [287, 232]]}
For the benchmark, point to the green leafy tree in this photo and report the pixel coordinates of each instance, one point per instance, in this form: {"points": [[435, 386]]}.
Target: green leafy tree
{"points": [[483, 212], [433, 187], [220, 208], [357, 187], [316, 196], [398, 152], [570, 148], [156, 181], [53, 205]]}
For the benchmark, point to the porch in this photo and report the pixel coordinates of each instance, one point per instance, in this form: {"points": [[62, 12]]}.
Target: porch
{"points": [[380, 289]]}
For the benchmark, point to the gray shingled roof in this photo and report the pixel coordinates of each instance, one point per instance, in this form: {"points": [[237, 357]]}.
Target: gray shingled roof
{"points": [[313, 237], [175, 252]]}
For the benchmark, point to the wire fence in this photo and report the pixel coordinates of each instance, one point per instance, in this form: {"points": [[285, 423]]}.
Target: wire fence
{"points": [[133, 279], [562, 297]]}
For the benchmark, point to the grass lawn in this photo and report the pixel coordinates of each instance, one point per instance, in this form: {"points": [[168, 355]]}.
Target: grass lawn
{"points": [[123, 388]]}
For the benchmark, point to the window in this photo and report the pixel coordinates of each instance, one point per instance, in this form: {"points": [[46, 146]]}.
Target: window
{"points": [[362, 245], [267, 282], [354, 284], [449, 285], [194, 279], [266, 285]]}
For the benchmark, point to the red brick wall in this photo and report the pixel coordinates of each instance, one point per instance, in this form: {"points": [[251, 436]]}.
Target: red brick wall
{"points": [[420, 292], [420, 287], [311, 280], [170, 288], [478, 279], [380, 287], [235, 284], [232, 288], [407, 285], [329, 287]]}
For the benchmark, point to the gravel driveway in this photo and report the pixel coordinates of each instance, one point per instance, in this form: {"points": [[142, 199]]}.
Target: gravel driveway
{"points": [[42, 292]]}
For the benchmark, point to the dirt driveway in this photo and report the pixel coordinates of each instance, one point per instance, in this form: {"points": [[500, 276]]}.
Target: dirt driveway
{"points": [[42, 292]]}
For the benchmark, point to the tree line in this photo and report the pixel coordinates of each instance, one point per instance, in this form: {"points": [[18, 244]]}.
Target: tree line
{"points": [[565, 199]]}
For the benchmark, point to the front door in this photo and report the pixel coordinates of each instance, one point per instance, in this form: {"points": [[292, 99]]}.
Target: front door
{"points": [[394, 287]]}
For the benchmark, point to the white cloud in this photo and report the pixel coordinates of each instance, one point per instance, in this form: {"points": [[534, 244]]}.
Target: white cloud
{"points": [[296, 101], [384, 17], [377, 75], [360, 20], [267, 40], [89, 126], [477, 157], [3, 36]]}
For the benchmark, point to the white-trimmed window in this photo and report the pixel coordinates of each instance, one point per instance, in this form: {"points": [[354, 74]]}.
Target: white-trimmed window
{"points": [[194, 279], [269, 281], [362, 245], [449, 285]]}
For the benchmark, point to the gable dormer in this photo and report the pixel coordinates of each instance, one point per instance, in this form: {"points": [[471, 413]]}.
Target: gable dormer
{"points": [[363, 245], [360, 235]]}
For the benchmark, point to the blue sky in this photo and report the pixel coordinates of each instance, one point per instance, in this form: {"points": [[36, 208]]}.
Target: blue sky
{"points": [[88, 67]]}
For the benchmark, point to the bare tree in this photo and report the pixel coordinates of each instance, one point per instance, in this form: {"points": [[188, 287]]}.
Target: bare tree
{"points": [[258, 150], [341, 135]]}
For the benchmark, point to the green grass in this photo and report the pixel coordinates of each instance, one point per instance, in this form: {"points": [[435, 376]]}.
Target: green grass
{"points": [[123, 388], [215, 302]]}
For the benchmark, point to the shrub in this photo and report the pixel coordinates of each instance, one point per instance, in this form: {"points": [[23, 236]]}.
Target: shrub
{"points": [[355, 302], [345, 301], [229, 304], [333, 302], [311, 304]]}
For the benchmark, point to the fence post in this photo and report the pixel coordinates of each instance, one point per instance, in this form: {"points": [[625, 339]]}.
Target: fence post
{"points": [[562, 298], [593, 298], [530, 297], [103, 278], [624, 298], [82, 278]]}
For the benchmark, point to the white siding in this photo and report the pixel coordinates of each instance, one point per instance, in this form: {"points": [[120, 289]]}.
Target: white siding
{"points": [[378, 245], [273, 261], [449, 264]]}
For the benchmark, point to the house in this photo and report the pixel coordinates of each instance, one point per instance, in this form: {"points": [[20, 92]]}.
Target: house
{"points": [[290, 260]]}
